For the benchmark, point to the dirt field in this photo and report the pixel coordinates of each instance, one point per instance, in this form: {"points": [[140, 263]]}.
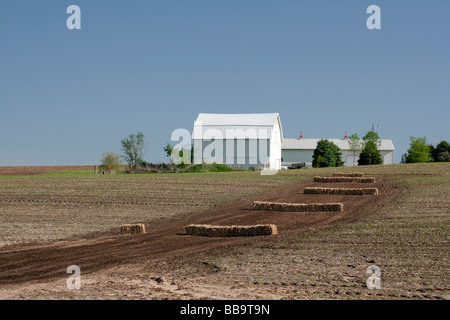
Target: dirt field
{"points": [[75, 220]]}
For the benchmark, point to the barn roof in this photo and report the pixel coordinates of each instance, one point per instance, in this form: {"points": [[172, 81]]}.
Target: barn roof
{"points": [[310, 144], [244, 119], [222, 122]]}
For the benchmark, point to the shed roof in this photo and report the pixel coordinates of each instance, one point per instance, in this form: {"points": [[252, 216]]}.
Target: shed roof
{"points": [[310, 144]]}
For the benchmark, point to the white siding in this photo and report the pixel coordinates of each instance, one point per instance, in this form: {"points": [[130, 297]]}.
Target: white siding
{"points": [[275, 148], [388, 157]]}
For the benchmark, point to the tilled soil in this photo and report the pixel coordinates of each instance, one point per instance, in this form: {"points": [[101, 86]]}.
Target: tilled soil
{"points": [[48, 261]]}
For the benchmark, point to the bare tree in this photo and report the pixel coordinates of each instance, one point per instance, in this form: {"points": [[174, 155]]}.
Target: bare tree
{"points": [[355, 144], [111, 162]]}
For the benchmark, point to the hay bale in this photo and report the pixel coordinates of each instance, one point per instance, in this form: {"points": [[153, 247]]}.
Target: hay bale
{"points": [[297, 207], [231, 231], [344, 179], [351, 174], [341, 191], [132, 228]]}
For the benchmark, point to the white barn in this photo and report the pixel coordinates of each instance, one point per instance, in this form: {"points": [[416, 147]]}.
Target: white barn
{"points": [[238, 140], [301, 150]]}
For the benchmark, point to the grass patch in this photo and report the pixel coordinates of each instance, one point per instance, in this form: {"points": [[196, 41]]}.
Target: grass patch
{"points": [[70, 174], [213, 167]]}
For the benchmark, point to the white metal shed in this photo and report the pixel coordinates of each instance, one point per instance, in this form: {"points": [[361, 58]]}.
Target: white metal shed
{"points": [[301, 150]]}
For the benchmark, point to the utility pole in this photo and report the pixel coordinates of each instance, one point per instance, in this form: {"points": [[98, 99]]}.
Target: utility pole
{"points": [[373, 127]]}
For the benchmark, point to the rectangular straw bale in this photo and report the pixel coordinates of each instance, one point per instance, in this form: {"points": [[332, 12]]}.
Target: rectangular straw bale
{"points": [[351, 174], [344, 179], [341, 191], [297, 207], [231, 231], [132, 228]]}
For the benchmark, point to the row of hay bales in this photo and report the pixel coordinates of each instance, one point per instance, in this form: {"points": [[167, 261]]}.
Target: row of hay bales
{"points": [[351, 174], [271, 229], [231, 231], [297, 207], [261, 229], [212, 231], [341, 191], [344, 179]]}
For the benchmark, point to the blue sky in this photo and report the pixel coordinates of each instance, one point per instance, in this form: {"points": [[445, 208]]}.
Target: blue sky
{"points": [[67, 96]]}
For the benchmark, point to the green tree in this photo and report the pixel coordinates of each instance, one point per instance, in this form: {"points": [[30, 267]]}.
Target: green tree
{"points": [[327, 154], [403, 158], [177, 157], [111, 162], [370, 154], [444, 156], [168, 149], [134, 148], [440, 153], [419, 151], [372, 136], [355, 145]]}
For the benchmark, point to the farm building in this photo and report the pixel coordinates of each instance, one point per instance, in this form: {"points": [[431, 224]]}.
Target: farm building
{"points": [[301, 150], [238, 140]]}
